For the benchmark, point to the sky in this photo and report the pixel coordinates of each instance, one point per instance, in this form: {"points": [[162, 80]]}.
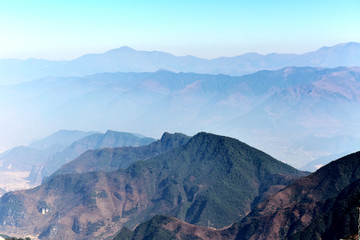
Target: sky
{"points": [[64, 30]]}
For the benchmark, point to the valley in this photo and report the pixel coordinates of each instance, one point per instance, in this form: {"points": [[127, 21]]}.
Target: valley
{"points": [[11, 181]]}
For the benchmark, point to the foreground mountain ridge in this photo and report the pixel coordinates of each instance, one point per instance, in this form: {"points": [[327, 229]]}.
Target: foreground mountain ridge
{"points": [[322, 205], [209, 179]]}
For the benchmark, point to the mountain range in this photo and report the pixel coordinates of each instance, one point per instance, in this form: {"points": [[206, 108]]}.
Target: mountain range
{"points": [[299, 108], [210, 179], [295, 114], [125, 59]]}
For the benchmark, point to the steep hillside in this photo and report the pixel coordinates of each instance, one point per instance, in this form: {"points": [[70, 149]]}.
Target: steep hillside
{"points": [[338, 218], [313, 206], [110, 159], [209, 179]]}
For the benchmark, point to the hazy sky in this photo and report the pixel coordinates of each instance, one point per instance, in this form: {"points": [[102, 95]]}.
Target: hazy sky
{"points": [[67, 29]]}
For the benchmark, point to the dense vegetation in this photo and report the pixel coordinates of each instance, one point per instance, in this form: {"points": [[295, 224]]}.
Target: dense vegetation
{"points": [[212, 178]]}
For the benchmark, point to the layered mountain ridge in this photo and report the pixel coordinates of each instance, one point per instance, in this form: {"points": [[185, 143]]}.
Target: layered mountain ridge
{"points": [[293, 108], [125, 59], [110, 159]]}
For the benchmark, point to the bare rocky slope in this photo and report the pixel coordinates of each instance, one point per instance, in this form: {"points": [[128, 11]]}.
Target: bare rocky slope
{"points": [[319, 206]]}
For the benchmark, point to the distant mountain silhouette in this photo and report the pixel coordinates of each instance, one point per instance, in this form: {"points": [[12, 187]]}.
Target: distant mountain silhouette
{"points": [[110, 159], [23, 158], [125, 59], [45, 167]]}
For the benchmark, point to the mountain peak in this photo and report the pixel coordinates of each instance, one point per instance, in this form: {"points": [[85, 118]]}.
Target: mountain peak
{"points": [[171, 140], [339, 46], [207, 138], [167, 135], [121, 50], [348, 44]]}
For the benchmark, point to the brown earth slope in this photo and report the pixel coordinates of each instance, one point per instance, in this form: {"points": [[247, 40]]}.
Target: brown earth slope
{"points": [[295, 208]]}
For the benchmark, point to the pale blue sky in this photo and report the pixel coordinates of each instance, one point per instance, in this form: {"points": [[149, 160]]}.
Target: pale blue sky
{"points": [[67, 29]]}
